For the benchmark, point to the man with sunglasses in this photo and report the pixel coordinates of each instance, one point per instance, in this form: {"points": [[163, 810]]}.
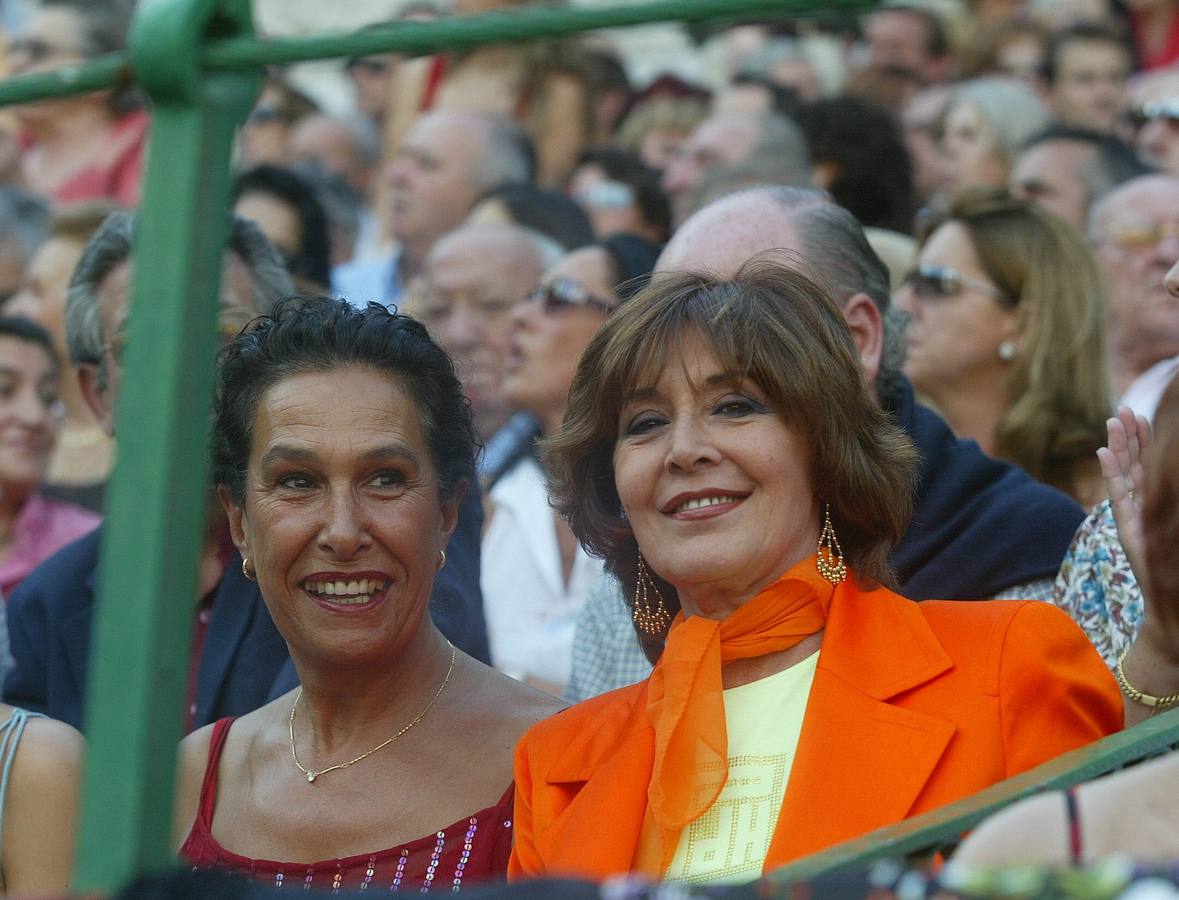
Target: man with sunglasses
{"points": [[981, 528], [1135, 233], [1151, 119]]}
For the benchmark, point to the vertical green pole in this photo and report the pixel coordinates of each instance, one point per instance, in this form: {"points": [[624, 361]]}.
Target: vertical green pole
{"points": [[147, 584]]}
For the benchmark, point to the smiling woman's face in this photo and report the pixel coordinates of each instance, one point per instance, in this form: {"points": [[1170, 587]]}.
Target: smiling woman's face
{"points": [[29, 413], [341, 514], [715, 483]]}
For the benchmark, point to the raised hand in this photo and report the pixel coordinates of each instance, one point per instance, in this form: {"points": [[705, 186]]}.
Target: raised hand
{"points": [[1122, 467]]}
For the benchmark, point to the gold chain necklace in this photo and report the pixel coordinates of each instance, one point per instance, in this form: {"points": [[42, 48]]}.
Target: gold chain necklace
{"points": [[312, 775]]}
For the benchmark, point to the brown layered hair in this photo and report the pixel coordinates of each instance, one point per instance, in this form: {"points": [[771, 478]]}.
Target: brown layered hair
{"points": [[776, 328], [1058, 393]]}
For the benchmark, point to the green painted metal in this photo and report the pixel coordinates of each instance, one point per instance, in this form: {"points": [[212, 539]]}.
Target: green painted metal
{"points": [[511, 26], [410, 38], [159, 491], [923, 835]]}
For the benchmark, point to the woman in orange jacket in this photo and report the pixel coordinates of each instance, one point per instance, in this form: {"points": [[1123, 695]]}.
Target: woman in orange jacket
{"points": [[721, 453]]}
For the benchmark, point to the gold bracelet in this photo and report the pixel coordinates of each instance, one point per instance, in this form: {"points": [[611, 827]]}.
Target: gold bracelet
{"points": [[1136, 695]]}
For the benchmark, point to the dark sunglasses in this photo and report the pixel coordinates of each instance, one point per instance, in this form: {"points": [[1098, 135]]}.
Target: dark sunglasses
{"points": [[940, 282], [38, 50], [1152, 110], [369, 64], [561, 293]]}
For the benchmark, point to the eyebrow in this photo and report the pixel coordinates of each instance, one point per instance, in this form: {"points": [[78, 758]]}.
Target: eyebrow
{"points": [[286, 453], [638, 395]]}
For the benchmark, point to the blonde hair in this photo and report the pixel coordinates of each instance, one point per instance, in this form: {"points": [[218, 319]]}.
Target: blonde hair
{"points": [[1058, 391], [679, 114]]}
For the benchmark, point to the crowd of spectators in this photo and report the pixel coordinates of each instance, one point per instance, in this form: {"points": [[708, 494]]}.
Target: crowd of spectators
{"points": [[539, 382]]}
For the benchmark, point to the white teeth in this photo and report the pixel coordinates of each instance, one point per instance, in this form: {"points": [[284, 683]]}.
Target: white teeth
{"points": [[347, 593], [700, 502]]}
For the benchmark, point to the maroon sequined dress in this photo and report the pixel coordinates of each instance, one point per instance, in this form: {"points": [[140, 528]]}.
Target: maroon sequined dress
{"points": [[474, 849]]}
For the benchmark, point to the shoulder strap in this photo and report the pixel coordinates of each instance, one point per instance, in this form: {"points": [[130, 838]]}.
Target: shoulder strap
{"points": [[1073, 814], [209, 784], [10, 735]]}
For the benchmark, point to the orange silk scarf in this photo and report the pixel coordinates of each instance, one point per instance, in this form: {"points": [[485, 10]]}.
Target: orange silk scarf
{"points": [[686, 703]]}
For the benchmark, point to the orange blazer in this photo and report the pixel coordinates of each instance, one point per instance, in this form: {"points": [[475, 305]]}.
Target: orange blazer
{"points": [[913, 706]]}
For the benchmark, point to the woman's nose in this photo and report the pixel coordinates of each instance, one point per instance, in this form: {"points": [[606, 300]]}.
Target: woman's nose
{"points": [[345, 533], [690, 445]]}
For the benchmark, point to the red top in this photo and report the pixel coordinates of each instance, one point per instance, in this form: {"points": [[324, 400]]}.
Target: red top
{"points": [[475, 849], [116, 175]]}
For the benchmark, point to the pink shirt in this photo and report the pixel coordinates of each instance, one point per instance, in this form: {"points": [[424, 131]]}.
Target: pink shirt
{"points": [[42, 527]]}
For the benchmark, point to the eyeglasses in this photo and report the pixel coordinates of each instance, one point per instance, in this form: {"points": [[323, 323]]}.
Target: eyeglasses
{"points": [[607, 195], [561, 293], [1152, 110], [1131, 235], [940, 282], [372, 65], [38, 50]]}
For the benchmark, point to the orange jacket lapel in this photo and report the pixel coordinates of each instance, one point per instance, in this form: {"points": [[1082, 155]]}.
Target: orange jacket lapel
{"points": [[862, 762]]}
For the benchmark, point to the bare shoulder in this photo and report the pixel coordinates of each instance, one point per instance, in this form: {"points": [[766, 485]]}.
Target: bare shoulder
{"points": [[50, 745], [41, 808], [1031, 831], [515, 706]]}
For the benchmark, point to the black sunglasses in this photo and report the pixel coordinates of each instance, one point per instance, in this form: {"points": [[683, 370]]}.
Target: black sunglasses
{"points": [[1151, 110], [562, 293], [940, 282]]}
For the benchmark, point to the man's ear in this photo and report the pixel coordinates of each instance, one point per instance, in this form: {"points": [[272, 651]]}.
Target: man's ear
{"points": [[96, 397], [236, 516], [867, 330]]}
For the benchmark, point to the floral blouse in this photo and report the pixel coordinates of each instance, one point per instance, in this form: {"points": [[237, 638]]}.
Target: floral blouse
{"points": [[1097, 588]]}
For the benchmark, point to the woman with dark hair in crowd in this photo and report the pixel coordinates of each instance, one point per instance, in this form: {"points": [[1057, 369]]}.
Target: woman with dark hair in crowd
{"points": [[1006, 337], [534, 576], [858, 155], [342, 446], [621, 195], [32, 528], [720, 453], [88, 146], [287, 209]]}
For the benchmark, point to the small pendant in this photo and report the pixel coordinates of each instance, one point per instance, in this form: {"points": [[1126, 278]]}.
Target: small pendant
{"points": [[310, 777]]}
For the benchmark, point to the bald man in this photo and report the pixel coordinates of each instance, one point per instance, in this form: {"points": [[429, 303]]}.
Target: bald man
{"points": [[981, 528], [471, 280]]}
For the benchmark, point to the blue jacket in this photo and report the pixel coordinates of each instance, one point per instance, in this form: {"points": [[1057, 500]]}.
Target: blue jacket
{"points": [[244, 660]]}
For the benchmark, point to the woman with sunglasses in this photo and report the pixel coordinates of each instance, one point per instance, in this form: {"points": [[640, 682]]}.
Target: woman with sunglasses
{"points": [[535, 576], [1006, 338]]}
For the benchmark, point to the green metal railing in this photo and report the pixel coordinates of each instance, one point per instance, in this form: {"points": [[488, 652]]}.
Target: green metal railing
{"points": [[199, 63]]}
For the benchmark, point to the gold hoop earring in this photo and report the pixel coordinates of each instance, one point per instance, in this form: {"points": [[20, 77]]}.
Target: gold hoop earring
{"points": [[829, 555], [441, 559], [248, 570], [652, 620]]}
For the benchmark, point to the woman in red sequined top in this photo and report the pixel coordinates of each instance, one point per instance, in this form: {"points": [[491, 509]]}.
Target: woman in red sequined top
{"points": [[342, 445]]}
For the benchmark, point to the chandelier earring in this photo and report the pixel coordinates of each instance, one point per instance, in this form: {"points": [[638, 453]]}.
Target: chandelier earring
{"points": [[829, 556], [651, 619]]}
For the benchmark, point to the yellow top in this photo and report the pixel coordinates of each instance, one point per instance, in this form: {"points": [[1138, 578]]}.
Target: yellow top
{"points": [[728, 844]]}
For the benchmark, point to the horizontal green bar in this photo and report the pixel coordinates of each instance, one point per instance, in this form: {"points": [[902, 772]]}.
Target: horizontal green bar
{"points": [[946, 825], [99, 74], [420, 38]]}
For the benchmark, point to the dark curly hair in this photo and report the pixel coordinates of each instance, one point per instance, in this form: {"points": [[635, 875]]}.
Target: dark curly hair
{"points": [[322, 334], [862, 145]]}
